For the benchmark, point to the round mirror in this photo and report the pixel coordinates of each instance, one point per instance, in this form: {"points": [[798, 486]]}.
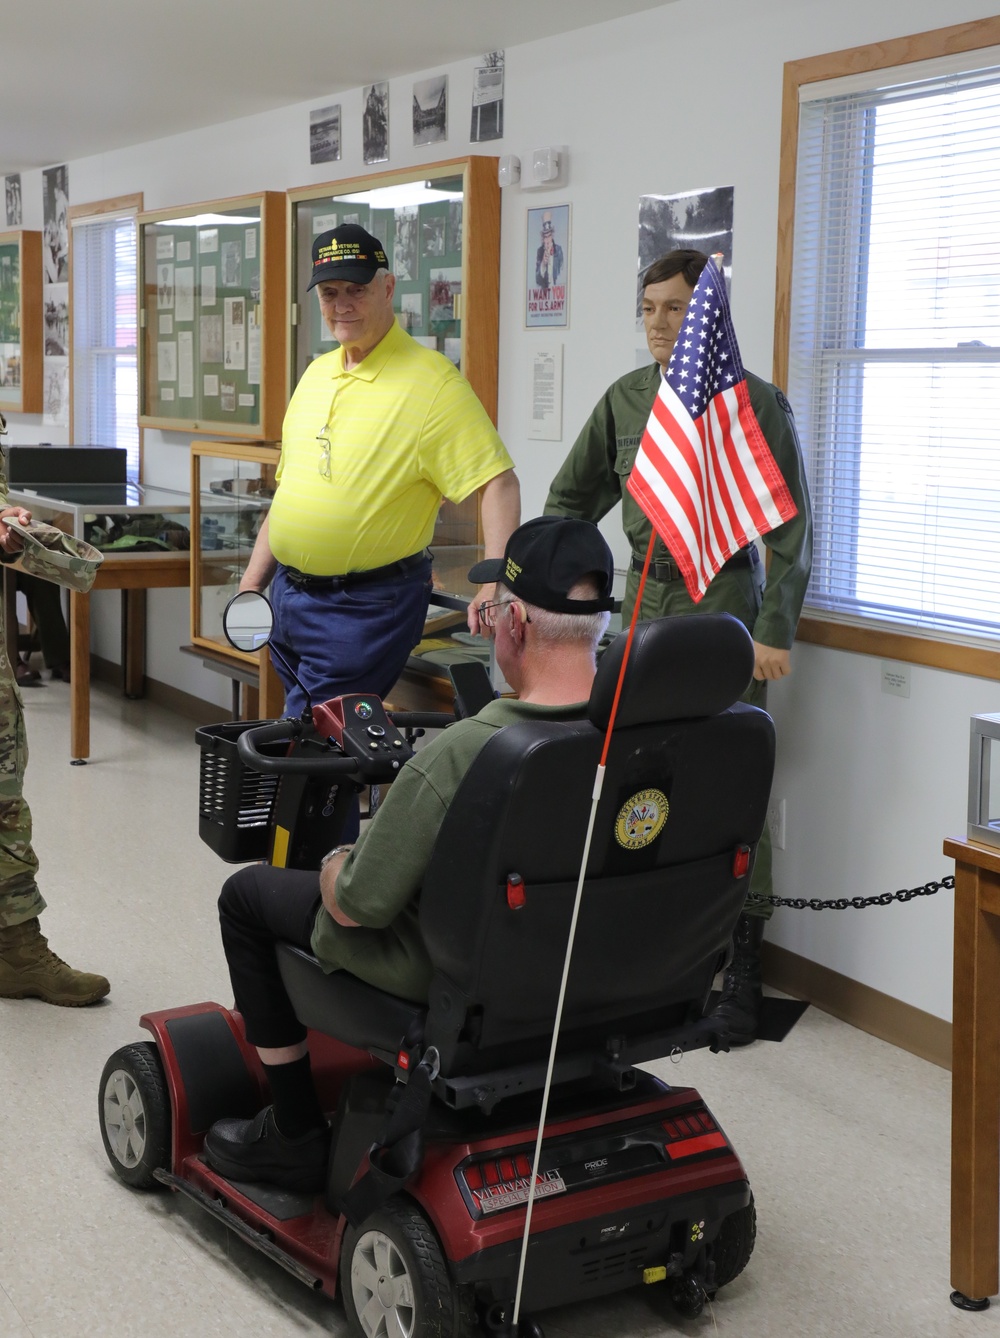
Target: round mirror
{"points": [[248, 620]]}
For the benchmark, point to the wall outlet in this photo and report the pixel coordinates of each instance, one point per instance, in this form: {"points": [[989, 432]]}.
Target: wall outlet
{"points": [[776, 823]]}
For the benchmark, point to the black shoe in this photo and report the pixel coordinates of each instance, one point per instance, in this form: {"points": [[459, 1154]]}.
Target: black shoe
{"points": [[255, 1150], [738, 1009]]}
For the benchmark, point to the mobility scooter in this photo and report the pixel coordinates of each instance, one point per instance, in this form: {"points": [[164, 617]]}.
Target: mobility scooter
{"points": [[435, 1108]]}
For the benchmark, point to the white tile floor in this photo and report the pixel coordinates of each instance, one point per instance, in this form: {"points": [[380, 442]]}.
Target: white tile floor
{"points": [[845, 1139]]}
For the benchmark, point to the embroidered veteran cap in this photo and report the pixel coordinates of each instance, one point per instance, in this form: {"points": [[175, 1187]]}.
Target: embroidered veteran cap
{"points": [[347, 254], [546, 557]]}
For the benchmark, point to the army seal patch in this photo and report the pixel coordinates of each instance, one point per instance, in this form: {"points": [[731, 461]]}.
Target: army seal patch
{"points": [[641, 818]]}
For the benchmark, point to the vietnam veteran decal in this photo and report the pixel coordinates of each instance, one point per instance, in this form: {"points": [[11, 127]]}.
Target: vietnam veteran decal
{"points": [[641, 818]]}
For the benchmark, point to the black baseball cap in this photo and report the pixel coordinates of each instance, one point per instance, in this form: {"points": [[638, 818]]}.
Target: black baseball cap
{"points": [[348, 254], [546, 557]]}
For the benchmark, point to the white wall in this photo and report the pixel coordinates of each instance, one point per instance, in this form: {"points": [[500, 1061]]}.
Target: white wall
{"points": [[684, 97]]}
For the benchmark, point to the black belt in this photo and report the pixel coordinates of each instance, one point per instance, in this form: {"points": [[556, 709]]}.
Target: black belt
{"points": [[400, 568], [669, 571]]}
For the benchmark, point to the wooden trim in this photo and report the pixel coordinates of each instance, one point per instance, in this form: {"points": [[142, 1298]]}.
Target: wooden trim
{"points": [[869, 1010], [975, 661], [117, 204]]}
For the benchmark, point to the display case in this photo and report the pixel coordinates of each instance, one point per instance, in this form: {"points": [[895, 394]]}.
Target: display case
{"points": [[232, 484], [440, 225], [21, 322], [212, 318]]}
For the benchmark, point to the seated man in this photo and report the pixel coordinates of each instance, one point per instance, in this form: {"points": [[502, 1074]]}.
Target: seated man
{"points": [[360, 912]]}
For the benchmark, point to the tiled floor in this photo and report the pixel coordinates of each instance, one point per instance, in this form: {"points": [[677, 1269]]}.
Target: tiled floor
{"points": [[845, 1139]]}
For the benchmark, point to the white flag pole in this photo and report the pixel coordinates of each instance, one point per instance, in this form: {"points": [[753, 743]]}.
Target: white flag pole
{"points": [[595, 799]]}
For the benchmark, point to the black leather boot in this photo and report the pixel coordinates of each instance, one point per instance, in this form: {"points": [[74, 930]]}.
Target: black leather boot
{"points": [[738, 1009]]}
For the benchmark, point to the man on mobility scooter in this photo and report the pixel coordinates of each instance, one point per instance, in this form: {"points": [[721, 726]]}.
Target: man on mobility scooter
{"points": [[361, 915], [437, 1104]]}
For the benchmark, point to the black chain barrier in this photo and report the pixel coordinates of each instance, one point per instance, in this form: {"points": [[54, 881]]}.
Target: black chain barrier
{"points": [[854, 903]]}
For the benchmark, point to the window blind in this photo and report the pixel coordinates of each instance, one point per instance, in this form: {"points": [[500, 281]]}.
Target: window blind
{"points": [[105, 377], [894, 357]]}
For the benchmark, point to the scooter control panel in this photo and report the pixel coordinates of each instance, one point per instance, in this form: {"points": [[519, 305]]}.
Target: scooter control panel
{"points": [[359, 725]]}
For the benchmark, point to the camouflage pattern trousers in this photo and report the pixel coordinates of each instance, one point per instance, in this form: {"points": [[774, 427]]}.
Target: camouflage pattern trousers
{"points": [[20, 899]]}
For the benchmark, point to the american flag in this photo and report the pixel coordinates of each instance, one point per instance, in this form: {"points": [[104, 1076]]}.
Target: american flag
{"points": [[704, 474]]}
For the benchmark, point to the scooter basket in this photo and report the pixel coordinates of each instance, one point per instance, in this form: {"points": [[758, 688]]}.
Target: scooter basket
{"points": [[235, 804]]}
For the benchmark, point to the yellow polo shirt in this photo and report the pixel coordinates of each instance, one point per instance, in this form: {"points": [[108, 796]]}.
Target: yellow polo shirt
{"points": [[405, 429]]}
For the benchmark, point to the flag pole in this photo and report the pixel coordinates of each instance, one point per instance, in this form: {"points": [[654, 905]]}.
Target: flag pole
{"points": [[595, 799]]}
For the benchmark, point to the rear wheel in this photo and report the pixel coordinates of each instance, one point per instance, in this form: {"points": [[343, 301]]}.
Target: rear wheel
{"points": [[134, 1110], [394, 1280], [734, 1244]]}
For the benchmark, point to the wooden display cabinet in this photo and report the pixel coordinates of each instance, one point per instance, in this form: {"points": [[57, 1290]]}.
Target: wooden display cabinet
{"points": [[211, 317], [21, 339]]}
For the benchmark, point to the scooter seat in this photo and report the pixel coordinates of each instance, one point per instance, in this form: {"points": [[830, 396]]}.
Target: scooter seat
{"points": [[339, 1004]]}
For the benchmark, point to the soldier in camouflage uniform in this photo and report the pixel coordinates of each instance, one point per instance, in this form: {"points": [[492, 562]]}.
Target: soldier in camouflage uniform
{"points": [[593, 479], [28, 968]]}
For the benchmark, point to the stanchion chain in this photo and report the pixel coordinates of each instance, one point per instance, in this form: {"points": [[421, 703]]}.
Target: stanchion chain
{"points": [[854, 903]]}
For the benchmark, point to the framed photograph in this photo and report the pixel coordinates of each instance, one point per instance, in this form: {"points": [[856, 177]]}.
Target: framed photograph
{"points": [[324, 134], [547, 268], [55, 214], [375, 123], [701, 220], [24, 327], [430, 110]]}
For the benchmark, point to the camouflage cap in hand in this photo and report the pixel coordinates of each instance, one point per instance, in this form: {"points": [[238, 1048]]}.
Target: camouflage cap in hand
{"points": [[53, 555]]}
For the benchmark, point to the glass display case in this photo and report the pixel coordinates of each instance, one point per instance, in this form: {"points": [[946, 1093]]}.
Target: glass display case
{"points": [[440, 225], [212, 317], [232, 484], [21, 340]]}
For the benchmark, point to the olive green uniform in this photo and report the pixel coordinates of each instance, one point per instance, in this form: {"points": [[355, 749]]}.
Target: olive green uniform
{"points": [[592, 480], [20, 899]]}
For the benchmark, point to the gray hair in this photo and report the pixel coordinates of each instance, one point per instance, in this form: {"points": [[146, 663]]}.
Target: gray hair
{"points": [[567, 627]]}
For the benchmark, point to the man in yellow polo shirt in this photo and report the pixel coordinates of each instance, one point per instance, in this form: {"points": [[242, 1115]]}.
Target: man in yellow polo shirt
{"points": [[376, 434]]}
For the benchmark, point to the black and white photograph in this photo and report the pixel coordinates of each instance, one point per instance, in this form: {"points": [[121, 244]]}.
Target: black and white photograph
{"points": [[430, 110], [375, 123], [164, 287], [55, 392], [12, 195], [411, 314], [699, 219], [432, 231], [230, 263], [404, 245], [487, 98], [453, 232], [55, 311], [324, 134], [55, 230], [445, 286]]}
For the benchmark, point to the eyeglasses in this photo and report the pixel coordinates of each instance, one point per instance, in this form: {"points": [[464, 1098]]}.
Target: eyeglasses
{"points": [[488, 612], [323, 463]]}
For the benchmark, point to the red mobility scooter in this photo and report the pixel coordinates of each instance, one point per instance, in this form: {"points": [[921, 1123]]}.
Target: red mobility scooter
{"points": [[435, 1108]]}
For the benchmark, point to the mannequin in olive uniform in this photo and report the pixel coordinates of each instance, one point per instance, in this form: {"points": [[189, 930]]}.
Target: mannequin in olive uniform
{"points": [[592, 480], [28, 968]]}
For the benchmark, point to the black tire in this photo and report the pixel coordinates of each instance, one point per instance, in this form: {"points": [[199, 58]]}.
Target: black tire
{"points": [[394, 1280], [734, 1244], [133, 1106]]}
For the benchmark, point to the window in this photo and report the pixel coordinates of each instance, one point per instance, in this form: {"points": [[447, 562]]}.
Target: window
{"points": [[105, 378], [893, 342]]}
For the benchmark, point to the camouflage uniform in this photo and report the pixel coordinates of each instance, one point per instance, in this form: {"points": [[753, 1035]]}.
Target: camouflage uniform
{"points": [[20, 898]]}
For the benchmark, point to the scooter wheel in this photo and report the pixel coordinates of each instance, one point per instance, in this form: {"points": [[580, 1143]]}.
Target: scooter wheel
{"points": [[134, 1111], [394, 1279], [733, 1246]]}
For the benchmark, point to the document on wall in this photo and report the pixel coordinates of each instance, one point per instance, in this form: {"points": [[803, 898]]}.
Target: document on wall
{"points": [[185, 364], [545, 414], [208, 285], [253, 345], [234, 333], [184, 293]]}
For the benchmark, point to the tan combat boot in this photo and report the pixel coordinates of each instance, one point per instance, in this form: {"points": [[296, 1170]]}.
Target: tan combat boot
{"points": [[28, 968]]}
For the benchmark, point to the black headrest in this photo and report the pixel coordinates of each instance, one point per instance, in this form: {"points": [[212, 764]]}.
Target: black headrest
{"points": [[678, 669]]}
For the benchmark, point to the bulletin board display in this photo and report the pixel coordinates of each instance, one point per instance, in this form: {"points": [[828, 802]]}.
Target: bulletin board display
{"points": [[212, 317], [21, 322]]}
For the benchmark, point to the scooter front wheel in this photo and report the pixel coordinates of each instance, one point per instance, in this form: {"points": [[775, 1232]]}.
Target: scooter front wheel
{"points": [[134, 1110], [394, 1279]]}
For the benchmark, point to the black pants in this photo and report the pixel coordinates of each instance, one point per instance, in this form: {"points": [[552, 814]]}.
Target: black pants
{"points": [[257, 907]]}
